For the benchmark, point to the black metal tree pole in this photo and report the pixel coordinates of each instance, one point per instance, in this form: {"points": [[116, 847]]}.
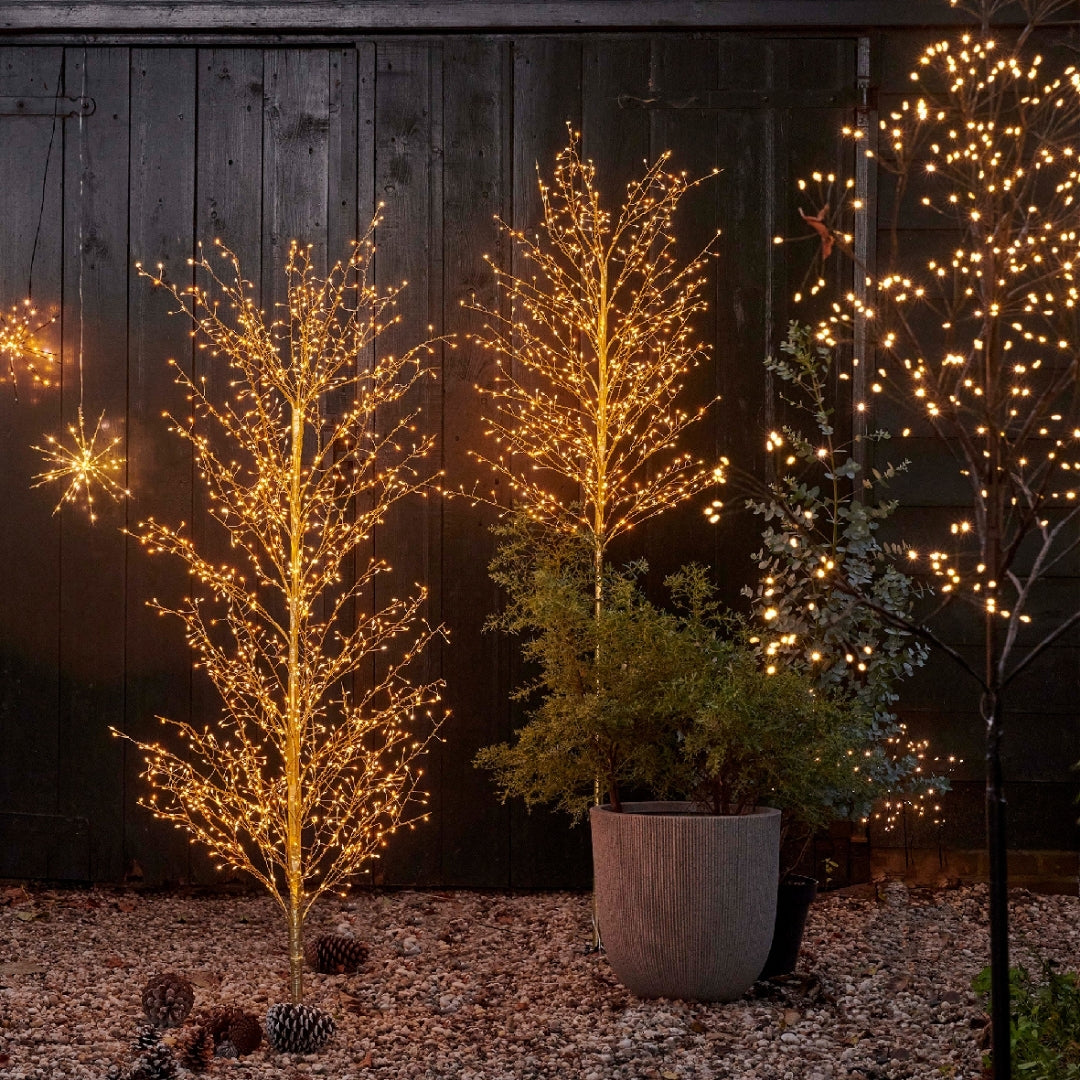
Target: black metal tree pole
{"points": [[1001, 1047]]}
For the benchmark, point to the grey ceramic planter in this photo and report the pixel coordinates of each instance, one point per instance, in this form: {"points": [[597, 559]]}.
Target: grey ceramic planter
{"points": [[686, 901]]}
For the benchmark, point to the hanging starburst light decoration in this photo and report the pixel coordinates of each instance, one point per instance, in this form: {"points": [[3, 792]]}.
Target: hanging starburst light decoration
{"points": [[84, 464], [312, 763], [21, 347]]}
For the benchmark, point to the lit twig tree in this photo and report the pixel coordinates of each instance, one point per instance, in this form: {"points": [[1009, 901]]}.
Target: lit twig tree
{"points": [[312, 763], [593, 351], [983, 339]]}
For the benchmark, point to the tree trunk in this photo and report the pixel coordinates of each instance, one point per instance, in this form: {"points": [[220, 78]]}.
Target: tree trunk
{"points": [[294, 873], [296, 946]]}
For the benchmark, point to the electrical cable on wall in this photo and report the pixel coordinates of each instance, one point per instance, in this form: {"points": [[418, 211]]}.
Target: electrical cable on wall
{"points": [[22, 323]]}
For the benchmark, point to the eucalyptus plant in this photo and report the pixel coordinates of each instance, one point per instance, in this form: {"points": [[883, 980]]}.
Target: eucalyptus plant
{"points": [[830, 595]]}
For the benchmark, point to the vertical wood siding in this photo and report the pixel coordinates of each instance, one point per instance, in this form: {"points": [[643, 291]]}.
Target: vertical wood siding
{"points": [[256, 146]]}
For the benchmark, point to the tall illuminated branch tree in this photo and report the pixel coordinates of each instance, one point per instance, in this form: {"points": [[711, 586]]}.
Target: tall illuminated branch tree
{"points": [[593, 350], [983, 339], [312, 763]]}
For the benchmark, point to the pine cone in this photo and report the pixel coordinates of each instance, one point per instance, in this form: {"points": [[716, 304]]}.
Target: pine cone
{"points": [[245, 1032], [146, 1038], [155, 1064], [217, 1020], [167, 999], [298, 1029], [335, 954], [195, 1048]]}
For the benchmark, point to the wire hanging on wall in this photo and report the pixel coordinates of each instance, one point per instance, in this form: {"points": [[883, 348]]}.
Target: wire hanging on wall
{"points": [[21, 324], [80, 460]]}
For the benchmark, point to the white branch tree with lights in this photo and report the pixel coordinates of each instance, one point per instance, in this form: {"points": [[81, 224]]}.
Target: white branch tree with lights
{"points": [[593, 351], [312, 763]]}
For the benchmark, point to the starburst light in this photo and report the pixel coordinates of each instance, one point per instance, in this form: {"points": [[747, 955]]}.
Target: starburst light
{"points": [[83, 464], [20, 344]]}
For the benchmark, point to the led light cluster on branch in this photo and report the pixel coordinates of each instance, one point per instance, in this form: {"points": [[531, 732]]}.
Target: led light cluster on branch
{"points": [[982, 335], [313, 761], [922, 803], [592, 350]]}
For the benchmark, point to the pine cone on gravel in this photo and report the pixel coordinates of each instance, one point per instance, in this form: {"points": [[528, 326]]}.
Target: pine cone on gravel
{"points": [[233, 1031], [297, 1029], [146, 1038], [195, 1048], [245, 1032], [216, 1019], [335, 954], [167, 999], [155, 1064]]}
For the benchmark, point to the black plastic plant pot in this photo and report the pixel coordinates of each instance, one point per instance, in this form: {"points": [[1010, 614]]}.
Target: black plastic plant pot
{"points": [[793, 900]]}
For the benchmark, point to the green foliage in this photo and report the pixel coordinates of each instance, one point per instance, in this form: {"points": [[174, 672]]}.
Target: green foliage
{"points": [[830, 594], [674, 702], [1044, 1023]]}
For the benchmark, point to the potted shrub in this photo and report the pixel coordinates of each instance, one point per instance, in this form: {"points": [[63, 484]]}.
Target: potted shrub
{"points": [[675, 705]]}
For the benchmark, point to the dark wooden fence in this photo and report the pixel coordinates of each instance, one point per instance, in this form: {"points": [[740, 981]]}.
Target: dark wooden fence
{"points": [[257, 143]]}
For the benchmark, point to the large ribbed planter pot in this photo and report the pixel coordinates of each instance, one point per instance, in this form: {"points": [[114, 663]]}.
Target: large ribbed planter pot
{"points": [[686, 901]]}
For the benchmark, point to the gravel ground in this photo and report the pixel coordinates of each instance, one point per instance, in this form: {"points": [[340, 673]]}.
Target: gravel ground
{"points": [[486, 986]]}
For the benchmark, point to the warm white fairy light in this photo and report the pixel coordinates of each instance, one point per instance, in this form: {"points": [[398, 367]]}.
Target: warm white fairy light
{"points": [[923, 803], [21, 347], [592, 350], [989, 144], [312, 763], [83, 465]]}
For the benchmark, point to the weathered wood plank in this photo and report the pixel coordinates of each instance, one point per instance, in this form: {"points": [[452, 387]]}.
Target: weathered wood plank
{"points": [[296, 139], [341, 153], [161, 208], [267, 15], [342, 161], [229, 152], [92, 586], [409, 179], [735, 280], [616, 137], [30, 536], [476, 186], [229, 206], [547, 94]]}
